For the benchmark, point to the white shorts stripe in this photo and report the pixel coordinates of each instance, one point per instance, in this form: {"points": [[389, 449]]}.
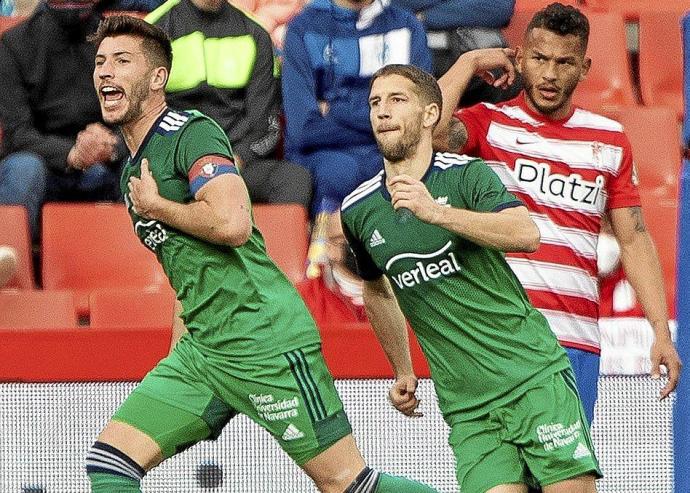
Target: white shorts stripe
{"points": [[555, 278]]}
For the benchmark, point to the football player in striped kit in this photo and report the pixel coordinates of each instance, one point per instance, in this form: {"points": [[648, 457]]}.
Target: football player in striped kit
{"points": [[569, 166]]}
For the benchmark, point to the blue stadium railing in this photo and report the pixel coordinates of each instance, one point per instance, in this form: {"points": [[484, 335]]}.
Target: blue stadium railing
{"points": [[681, 419]]}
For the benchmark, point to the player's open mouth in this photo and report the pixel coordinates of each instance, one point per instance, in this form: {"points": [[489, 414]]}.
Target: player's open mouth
{"points": [[111, 96]]}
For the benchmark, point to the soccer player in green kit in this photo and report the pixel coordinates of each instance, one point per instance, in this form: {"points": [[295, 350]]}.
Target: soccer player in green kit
{"points": [[429, 234], [251, 346]]}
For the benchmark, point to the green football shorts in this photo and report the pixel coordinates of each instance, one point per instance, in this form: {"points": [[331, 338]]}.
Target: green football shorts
{"points": [[190, 397], [540, 438]]}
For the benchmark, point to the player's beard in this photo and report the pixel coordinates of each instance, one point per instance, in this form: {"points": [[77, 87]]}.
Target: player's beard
{"points": [[404, 147], [136, 98], [566, 94]]}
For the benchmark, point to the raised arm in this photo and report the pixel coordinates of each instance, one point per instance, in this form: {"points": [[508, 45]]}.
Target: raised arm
{"points": [[643, 270], [507, 226], [219, 214], [450, 134]]}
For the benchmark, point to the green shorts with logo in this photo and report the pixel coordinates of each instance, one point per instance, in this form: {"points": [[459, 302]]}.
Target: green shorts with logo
{"points": [[190, 397], [540, 438]]}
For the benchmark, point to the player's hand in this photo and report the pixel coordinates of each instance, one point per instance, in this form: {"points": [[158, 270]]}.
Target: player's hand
{"points": [[413, 195], [663, 352], [402, 395], [143, 192], [95, 144], [485, 60]]}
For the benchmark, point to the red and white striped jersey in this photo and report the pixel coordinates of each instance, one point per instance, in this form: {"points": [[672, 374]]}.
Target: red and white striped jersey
{"points": [[567, 172]]}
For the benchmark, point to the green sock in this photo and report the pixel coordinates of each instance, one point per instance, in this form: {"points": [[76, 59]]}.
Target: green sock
{"points": [[396, 484], [112, 483]]}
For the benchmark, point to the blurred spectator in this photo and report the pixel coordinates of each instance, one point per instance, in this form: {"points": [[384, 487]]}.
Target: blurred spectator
{"points": [[616, 295], [331, 50], [335, 296], [223, 65], [132, 5], [455, 27], [7, 7], [8, 264], [54, 144]]}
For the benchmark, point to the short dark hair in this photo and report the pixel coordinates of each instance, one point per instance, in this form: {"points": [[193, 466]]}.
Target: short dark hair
{"points": [[155, 43], [425, 84], [562, 20]]}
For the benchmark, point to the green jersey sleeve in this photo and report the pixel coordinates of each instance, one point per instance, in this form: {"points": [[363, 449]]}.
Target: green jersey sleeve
{"points": [[366, 267], [202, 137], [483, 189]]}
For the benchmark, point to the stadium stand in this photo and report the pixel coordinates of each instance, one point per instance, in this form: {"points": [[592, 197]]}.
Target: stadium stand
{"points": [[88, 246], [654, 136], [285, 231], [37, 309], [661, 59], [131, 308], [15, 233]]}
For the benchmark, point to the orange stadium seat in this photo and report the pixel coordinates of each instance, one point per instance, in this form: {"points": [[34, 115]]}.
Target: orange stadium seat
{"points": [[9, 22], [654, 136], [609, 84], [632, 10], [37, 309], [661, 59], [284, 228], [88, 246], [131, 308], [534, 5], [15, 233]]}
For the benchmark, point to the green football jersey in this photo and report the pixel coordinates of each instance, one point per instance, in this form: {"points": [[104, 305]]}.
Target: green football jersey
{"points": [[484, 341], [235, 301]]}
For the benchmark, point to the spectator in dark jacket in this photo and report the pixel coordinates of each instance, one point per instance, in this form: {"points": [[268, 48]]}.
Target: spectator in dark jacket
{"points": [[55, 146], [223, 66]]}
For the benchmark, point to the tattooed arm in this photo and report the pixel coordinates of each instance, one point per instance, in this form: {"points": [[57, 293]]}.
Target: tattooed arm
{"points": [[450, 134], [643, 270]]}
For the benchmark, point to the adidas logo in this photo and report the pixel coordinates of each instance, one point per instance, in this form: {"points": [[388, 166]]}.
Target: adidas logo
{"points": [[376, 239], [292, 433], [581, 451]]}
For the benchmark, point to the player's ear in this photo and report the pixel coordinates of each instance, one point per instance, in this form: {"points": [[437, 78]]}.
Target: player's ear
{"points": [[432, 114], [159, 78], [586, 65]]}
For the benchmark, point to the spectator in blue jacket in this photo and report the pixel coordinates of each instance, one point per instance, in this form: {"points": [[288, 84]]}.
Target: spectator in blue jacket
{"points": [[331, 50]]}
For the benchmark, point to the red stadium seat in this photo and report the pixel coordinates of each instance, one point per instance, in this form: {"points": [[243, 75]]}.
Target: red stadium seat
{"points": [[661, 60], [654, 136], [609, 84], [632, 10], [534, 5], [284, 228], [37, 309], [9, 22], [131, 308], [15, 233], [89, 246]]}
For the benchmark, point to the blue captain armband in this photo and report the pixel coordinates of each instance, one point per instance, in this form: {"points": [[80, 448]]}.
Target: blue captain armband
{"points": [[207, 168]]}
